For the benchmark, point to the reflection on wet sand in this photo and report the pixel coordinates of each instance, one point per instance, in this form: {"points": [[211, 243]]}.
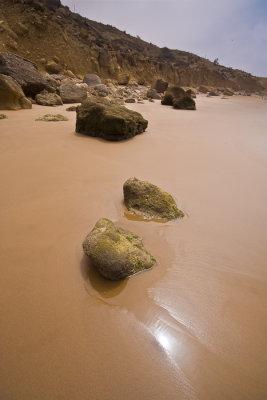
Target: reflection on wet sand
{"points": [[192, 327]]}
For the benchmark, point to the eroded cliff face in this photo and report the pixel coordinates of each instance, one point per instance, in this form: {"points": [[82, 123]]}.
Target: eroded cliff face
{"points": [[50, 34]]}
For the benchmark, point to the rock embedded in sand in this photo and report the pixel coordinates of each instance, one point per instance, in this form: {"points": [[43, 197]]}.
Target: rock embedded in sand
{"points": [[116, 252], [108, 120], [72, 93], [52, 117], [11, 95], [48, 99], [3, 116], [186, 103], [148, 201]]}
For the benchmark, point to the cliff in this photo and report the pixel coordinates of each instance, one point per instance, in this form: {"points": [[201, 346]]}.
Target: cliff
{"points": [[47, 32]]}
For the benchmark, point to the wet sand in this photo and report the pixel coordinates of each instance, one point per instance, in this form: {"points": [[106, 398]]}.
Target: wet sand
{"points": [[193, 327]]}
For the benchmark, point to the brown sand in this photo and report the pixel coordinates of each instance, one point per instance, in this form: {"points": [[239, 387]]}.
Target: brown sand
{"points": [[195, 326]]}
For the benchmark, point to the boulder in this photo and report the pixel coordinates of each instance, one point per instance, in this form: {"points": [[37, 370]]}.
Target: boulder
{"points": [[228, 92], [11, 95], [149, 201], [173, 92], [185, 103], [153, 94], [123, 79], [116, 252], [101, 89], [48, 99], [72, 93], [161, 85], [92, 79], [24, 72], [204, 89], [130, 100], [53, 68], [108, 120]]}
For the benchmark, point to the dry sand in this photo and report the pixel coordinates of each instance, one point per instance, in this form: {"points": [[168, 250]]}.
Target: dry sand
{"points": [[195, 326]]}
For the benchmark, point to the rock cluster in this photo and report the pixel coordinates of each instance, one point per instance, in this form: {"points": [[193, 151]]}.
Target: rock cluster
{"points": [[179, 98]]}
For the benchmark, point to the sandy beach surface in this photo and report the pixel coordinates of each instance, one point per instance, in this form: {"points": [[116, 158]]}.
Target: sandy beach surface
{"points": [[193, 327]]}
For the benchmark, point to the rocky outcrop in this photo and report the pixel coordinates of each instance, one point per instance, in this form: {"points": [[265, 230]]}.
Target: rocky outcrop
{"points": [[72, 93], [24, 72], [48, 99], [108, 120], [11, 95], [116, 252], [92, 80], [149, 201]]}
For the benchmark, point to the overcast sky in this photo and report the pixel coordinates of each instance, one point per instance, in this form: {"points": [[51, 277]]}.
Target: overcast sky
{"points": [[235, 31]]}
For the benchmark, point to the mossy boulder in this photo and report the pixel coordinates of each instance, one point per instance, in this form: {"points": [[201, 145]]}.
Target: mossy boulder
{"points": [[149, 201], [186, 103], [108, 120], [116, 252]]}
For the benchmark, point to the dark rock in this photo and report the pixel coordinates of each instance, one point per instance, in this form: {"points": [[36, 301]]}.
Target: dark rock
{"points": [[185, 103], [213, 93], [48, 99], [92, 80], [161, 85], [72, 93], [116, 252], [148, 201], [153, 94], [3, 116], [71, 108], [130, 100], [24, 72], [108, 120], [173, 92], [11, 95]]}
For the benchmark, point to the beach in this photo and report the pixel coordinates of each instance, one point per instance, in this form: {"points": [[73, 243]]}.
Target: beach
{"points": [[194, 326]]}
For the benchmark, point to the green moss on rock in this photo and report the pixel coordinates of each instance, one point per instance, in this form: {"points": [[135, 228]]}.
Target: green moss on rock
{"points": [[149, 201], [116, 252], [52, 117], [108, 120]]}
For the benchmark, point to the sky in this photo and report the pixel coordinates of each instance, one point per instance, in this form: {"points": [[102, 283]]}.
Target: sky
{"points": [[234, 31]]}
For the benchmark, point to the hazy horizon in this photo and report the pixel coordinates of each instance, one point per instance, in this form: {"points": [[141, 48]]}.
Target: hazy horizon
{"points": [[234, 31]]}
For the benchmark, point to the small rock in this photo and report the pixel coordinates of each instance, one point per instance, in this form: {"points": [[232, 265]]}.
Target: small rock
{"points": [[71, 108], [3, 116], [101, 88], [48, 99], [116, 252], [153, 94], [52, 117], [131, 100], [92, 79], [53, 68], [149, 201], [72, 94]]}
